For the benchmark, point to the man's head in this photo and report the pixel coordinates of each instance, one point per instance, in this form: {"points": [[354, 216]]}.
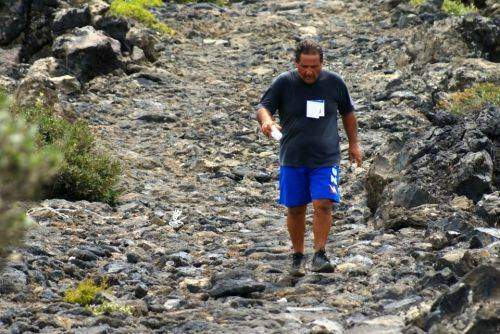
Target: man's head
{"points": [[309, 60]]}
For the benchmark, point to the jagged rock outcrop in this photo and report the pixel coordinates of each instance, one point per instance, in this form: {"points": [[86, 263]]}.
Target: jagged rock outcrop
{"points": [[88, 53], [12, 20], [470, 306]]}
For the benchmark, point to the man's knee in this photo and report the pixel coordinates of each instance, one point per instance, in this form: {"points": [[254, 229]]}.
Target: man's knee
{"points": [[297, 211], [323, 206]]}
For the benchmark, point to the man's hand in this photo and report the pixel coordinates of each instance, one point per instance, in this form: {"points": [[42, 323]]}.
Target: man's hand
{"points": [[266, 121], [266, 127], [355, 154]]}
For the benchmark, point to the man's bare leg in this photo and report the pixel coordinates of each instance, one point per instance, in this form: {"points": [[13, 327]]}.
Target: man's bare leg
{"points": [[296, 223], [322, 222]]}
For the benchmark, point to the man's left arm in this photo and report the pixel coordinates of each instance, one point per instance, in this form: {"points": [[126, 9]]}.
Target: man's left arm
{"points": [[351, 129]]}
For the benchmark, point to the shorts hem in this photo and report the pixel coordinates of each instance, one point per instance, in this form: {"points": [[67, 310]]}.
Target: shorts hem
{"points": [[292, 205], [333, 199]]}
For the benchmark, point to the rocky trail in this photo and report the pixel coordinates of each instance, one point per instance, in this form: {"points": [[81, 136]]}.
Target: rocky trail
{"points": [[197, 242]]}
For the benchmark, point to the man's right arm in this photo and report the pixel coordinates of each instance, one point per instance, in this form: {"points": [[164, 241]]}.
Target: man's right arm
{"points": [[268, 105], [266, 121]]}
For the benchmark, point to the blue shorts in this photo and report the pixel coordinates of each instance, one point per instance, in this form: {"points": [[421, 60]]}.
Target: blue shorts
{"points": [[301, 185]]}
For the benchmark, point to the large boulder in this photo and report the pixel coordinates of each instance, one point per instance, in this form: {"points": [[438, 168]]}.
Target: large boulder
{"points": [[45, 81], [475, 175], [483, 33], [12, 20], [88, 53], [488, 208], [70, 18], [145, 39], [411, 195], [438, 43], [117, 28], [38, 34], [379, 176]]}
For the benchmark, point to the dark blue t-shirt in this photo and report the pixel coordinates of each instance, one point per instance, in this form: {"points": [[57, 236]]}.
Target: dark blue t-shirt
{"points": [[308, 142]]}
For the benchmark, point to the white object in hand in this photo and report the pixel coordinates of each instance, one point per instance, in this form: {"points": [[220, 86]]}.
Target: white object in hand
{"points": [[275, 133]]}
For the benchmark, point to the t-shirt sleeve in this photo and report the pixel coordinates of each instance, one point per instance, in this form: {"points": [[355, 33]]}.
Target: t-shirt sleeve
{"points": [[272, 96], [346, 104]]}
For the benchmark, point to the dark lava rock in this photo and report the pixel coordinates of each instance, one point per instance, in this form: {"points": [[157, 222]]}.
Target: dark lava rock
{"points": [[483, 236], [7, 317], [236, 287], [88, 52], [471, 303], [488, 208], [379, 175], [84, 255], [70, 18], [12, 20], [12, 281], [474, 177], [133, 258], [483, 33], [488, 121], [409, 196], [157, 117], [103, 329], [141, 290], [38, 32], [117, 28], [181, 259], [234, 283]]}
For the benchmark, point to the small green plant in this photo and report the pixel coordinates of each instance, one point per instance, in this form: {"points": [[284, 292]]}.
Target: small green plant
{"points": [[472, 99], [453, 7], [108, 308], [138, 10], [85, 173], [85, 293]]}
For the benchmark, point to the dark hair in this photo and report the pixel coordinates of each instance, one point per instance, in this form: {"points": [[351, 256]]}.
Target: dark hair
{"points": [[308, 47]]}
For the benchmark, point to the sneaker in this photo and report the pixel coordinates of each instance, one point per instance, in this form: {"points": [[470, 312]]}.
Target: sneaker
{"points": [[320, 263], [298, 265]]}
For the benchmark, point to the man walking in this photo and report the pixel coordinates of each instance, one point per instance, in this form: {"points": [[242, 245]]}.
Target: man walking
{"points": [[307, 100]]}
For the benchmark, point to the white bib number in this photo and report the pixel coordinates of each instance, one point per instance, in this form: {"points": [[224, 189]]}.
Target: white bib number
{"points": [[315, 109]]}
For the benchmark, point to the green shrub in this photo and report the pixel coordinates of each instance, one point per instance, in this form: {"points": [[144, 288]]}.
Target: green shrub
{"points": [[453, 7], [417, 2], [138, 10], [85, 293], [472, 99], [85, 173], [23, 166]]}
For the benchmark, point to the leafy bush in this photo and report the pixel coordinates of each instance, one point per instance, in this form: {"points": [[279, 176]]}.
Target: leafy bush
{"points": [[85, 173], [85, 293], [454, 7], [137, 9], [22, 168], [472, 99]]}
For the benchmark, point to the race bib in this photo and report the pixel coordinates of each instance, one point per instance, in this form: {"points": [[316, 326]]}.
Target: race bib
{"points": [[315, 109]]}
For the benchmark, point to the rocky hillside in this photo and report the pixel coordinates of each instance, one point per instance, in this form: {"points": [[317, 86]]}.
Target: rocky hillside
{"points": [[197, 243]]}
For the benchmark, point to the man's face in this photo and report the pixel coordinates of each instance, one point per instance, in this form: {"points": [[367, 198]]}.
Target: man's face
{"points": [[309, 67]]}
